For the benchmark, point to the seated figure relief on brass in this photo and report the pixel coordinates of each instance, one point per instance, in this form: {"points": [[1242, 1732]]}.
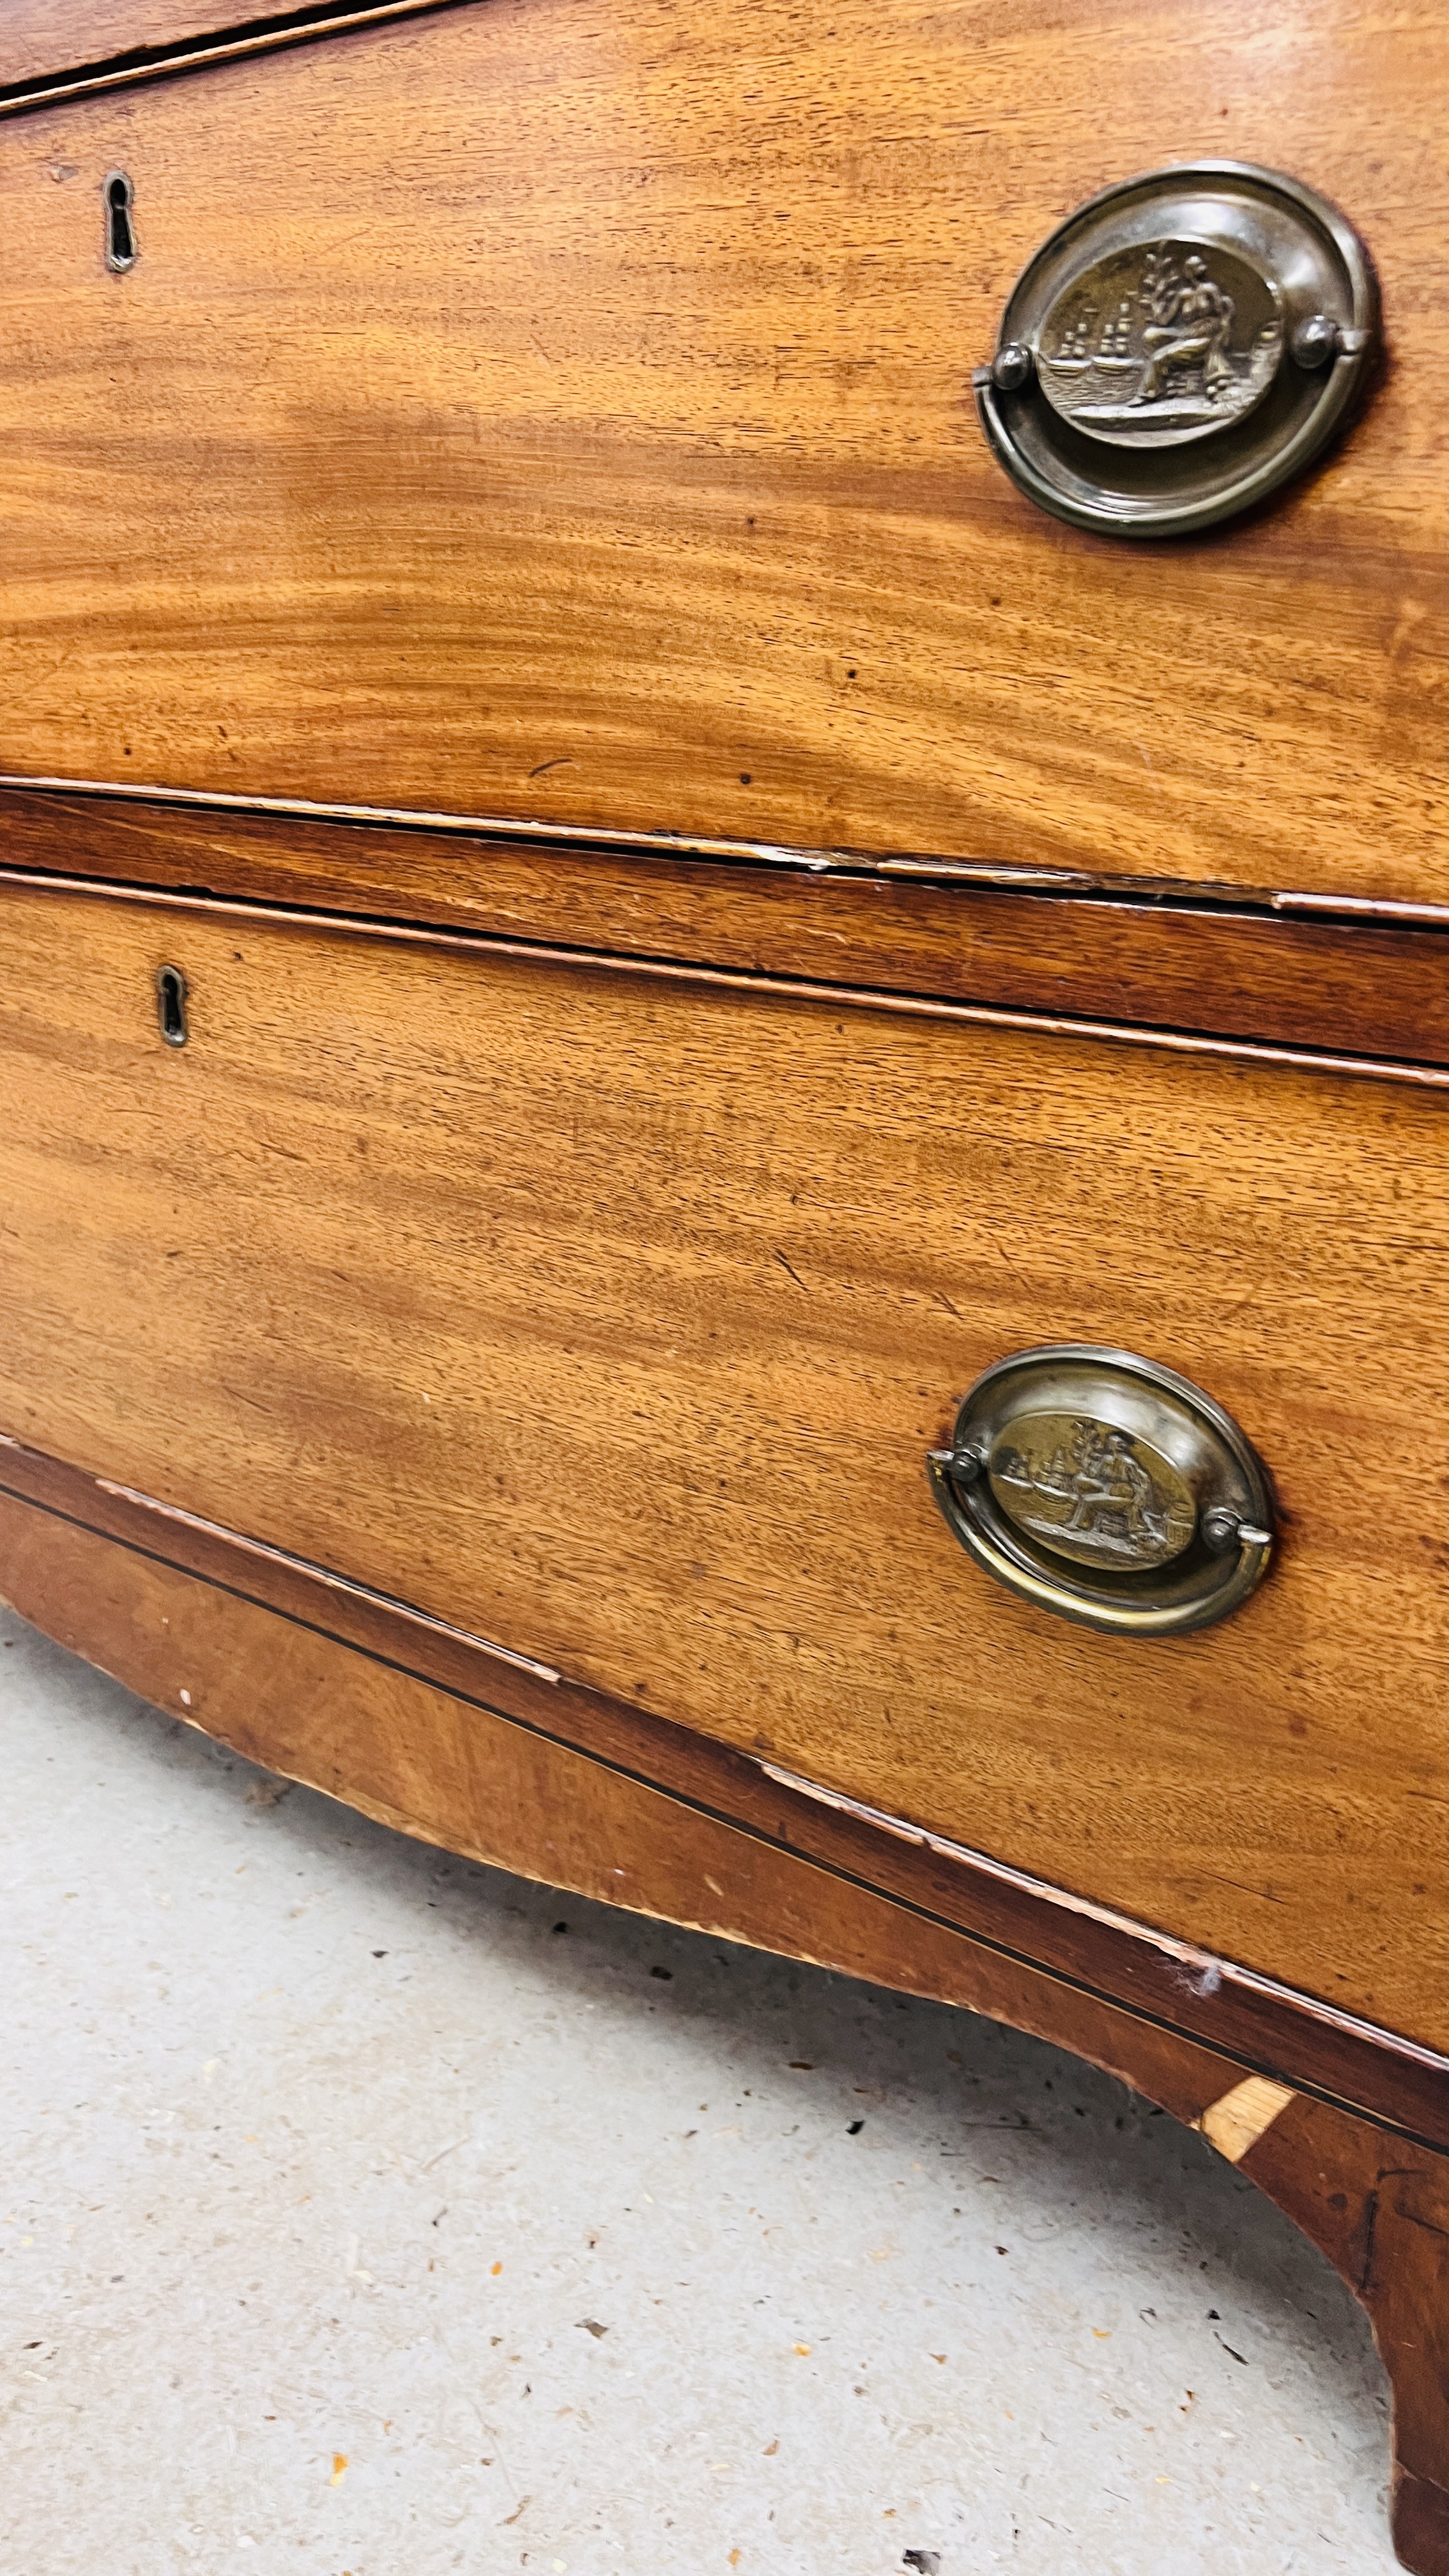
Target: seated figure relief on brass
{"points": [[1161, 343], [1093, 1492], [1106, 1488], [1178, 349]]}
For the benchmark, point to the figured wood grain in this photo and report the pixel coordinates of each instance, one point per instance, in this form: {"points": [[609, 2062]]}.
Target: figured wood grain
{"points": [[561, 408], [1273, 2029], [613, 1324]]}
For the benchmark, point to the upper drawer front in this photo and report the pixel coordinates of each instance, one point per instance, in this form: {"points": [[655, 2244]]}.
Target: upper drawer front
{"points": [[561, 408], [613, 1321]]}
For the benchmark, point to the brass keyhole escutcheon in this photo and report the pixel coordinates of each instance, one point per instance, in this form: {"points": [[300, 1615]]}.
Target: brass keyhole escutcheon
{"points": [[1107, 1489], [119, 197], [171, 1006]]}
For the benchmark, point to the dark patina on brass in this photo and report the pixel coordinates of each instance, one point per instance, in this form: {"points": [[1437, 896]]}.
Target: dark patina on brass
{"points": [[171, 1006], [1107, 1489], [119, 198], [1178, 348]]}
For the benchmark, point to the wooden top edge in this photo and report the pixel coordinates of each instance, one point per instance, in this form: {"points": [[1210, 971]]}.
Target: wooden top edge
{"points": [[1216, 893], [789, 988]]}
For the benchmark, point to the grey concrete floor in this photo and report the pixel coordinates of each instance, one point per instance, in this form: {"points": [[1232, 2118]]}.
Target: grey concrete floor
{"points": [[372, 2214]]}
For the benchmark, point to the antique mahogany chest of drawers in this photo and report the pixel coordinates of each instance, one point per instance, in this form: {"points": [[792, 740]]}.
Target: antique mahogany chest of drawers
{"points": [[724, 1020]]}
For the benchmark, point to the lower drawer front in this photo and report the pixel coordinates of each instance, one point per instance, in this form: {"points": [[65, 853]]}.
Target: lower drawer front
{"points": [[611, 1320]]}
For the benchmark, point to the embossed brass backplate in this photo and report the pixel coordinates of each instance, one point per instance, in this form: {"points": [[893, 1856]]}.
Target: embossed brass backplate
{"points": [[1107, 1489], [1178, 348]]}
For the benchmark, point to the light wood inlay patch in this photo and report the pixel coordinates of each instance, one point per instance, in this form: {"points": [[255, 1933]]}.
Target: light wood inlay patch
{"points": [[1238, 2119]]}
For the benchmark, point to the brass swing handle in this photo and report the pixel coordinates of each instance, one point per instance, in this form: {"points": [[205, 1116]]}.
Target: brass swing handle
{"points": [[1221, 1527], [1178, 348], [1106, 1488]]}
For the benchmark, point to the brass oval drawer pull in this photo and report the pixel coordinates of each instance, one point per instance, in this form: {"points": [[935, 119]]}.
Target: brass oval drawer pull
{"points": [[1107, 1489], [1178, 348]]}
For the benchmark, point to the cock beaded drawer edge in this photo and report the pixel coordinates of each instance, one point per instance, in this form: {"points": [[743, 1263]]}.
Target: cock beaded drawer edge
{"points": [[725, 1017]]}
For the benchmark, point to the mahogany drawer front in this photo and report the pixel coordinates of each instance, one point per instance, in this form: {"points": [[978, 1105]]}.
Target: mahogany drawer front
{"points": [[611, 1322], [561, 409]]}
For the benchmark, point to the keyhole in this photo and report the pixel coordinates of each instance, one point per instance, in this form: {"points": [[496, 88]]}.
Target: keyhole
{"points": [[171, 1005], [120, 231]]}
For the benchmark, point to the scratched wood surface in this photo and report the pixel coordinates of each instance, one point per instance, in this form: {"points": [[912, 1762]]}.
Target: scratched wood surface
{"points": [[612, 1324], [561, 408]]}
